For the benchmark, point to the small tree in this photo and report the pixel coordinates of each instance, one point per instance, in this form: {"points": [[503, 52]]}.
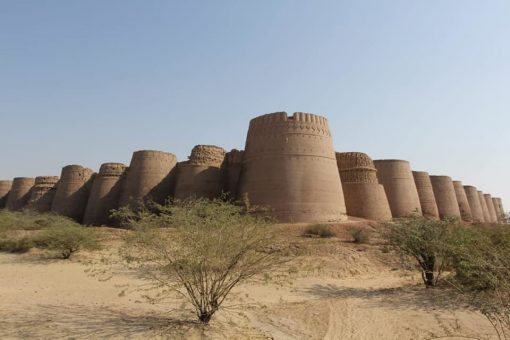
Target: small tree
{"points": [[482, 268], [425, 242], [200, 248]]}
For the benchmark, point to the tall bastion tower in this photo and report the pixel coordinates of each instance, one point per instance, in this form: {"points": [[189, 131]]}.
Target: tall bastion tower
{"points": [[289, 166]]}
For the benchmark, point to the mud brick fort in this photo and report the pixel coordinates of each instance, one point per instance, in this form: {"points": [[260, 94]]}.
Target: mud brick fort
{"points": [[288, 166]]}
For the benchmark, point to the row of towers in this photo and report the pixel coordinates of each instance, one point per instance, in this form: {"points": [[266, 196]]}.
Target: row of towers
{"points": [[289, 167]]}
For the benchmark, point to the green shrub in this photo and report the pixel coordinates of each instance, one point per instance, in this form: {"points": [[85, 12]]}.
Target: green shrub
{"points": [[17, 245], [425, 242], [360, 235], [319, 230], [68, 239]]}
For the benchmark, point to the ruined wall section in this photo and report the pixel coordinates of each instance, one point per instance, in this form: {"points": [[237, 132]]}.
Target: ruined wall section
{"points": [[73, 191], [446, 200], [20, 193], [150, 176], [289, 166], [42, 193], [396, 177], [5, 187], [426, 194], [474, 203], [364, 196], [490, 208], [465, 209], [105, 194], [203, 175]]}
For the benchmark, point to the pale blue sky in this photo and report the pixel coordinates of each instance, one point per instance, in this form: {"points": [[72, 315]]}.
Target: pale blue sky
{"points": [[89, 82]]}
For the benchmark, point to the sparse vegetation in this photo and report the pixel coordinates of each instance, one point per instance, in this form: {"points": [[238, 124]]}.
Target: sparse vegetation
{"points": [[22, 230], [360, 235], [319, 230], [199, 248]]}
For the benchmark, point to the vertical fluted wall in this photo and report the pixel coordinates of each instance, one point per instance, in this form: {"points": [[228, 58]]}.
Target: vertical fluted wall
{"points": [[150, 176], [203, 175], [364, 196], [20, 193], [233, 163], [465, 209], [5, 187], [485, 209], [474, 203], [43, 193], [446, 200], [105, 194], [490, 208], [73, 191], [426, 194], [289, 166], [396, 177]]}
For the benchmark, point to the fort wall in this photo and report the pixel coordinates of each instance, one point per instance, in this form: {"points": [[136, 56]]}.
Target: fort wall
{"points": [[446, 200], [20, 193], [426, 194], [42, 193], [465, 209]]}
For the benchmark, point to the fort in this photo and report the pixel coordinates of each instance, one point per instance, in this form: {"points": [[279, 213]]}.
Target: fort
{"points": [[288, 168]]}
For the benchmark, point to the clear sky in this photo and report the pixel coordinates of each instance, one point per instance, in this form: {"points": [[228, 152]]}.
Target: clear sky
{"points": [[87, 82]]}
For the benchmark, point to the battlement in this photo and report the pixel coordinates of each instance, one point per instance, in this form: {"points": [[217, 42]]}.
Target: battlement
{"points": [[112, 169], [46, 180], [209, 155], [354, 160], [154, 154], [76, 171], [283, 117], [234, 157]]}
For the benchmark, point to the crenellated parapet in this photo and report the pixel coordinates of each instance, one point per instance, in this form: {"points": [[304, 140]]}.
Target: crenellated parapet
{"points": [[356, 167], [207, 155]]}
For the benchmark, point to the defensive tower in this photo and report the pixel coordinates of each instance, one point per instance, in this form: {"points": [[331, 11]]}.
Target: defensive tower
{"points": [[20, 193], [485, 209], [465, 210], [396, 177], [105, 194], [289, 166], [426, 194], [43, 193], [446, 200], [202, 175], [5, 187], [233, 162], [499, 214], [150, 176], [490, 208], [364, 196], [73, 191], [474, 203]]}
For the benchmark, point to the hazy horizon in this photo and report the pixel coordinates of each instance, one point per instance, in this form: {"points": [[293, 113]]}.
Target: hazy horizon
{"points": [[91, 82]]}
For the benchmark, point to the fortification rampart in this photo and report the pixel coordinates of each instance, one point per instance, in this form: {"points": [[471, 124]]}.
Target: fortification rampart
{"points": [[396, 177], [43, 192], [73, 191], [20, 193], [289, 165], [474, 203], [446, 200], [364, 196], [233, 163], [105, 194], [485, 209], [203, 175], [426, 194], [465, 209], [5, 187], [490, 208], [150, 177]]}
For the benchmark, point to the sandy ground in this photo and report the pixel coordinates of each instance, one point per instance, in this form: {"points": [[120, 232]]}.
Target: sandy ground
{"points": [[339, 290]]}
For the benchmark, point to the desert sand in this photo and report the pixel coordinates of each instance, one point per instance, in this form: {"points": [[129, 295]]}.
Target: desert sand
{"points": [[335, 289]]}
